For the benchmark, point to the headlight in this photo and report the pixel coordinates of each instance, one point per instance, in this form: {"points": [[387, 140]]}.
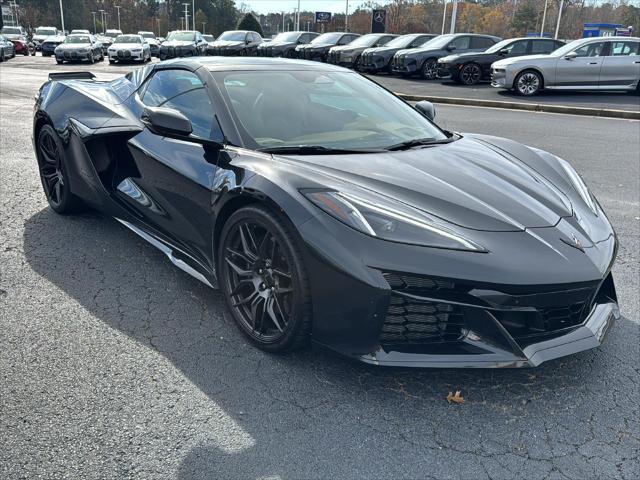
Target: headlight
{"points": [[579, 185], [390, 220]]}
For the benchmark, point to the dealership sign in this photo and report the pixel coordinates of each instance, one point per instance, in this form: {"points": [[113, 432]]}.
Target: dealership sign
{"points": [[378, 20], [323, 17]]}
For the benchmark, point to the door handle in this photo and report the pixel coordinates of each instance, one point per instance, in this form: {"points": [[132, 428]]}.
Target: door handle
{"points": [[593, 63], [637, 61]]}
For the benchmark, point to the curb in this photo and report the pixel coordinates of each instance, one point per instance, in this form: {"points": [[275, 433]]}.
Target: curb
{"points": [[532, 107]]}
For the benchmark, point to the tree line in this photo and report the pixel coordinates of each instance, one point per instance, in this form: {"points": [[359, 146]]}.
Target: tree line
{"points": [[505, 18]]}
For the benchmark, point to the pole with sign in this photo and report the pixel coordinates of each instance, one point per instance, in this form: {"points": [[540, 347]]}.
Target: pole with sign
{"points": [[378, 21]]}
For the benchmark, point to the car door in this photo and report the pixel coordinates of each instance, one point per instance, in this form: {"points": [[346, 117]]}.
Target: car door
{"points": [[582, 70], [171, 190], [621, 65], [460, 44]]}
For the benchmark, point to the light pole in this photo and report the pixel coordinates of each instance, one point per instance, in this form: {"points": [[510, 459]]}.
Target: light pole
{"points": [[203, 24], [15, 7], [94, 22], [346, 17], [193, 14], [104, 25], [454, 13], [308, 25], [186, 15], [158, 20], [544, 18], [118, 8], [298, 18], [559, 17], [102, 19], [444, 16]]}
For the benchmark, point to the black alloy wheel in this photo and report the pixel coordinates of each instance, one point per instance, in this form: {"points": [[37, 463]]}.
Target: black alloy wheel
{"points": [[470, 74], [53, 173], [2, 54], [263, 279], [429, 69]]}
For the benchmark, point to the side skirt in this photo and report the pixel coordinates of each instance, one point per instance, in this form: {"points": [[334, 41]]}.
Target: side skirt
{"points": [[164, 248]]}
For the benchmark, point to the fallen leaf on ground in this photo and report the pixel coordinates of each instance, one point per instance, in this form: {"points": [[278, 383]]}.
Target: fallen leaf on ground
{"points": [[457, 398]]}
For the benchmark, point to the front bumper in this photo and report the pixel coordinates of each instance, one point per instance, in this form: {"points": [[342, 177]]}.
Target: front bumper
{"points": [[314, 55], [125, 56], [73, 56], [371, 63], [224, 52], [175, 52], [447, 70], [423, 307], [500, 78], [404, 66]]}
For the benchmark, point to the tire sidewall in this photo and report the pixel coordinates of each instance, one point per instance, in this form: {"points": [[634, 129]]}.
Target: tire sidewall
{"points": [[423, 72], [286, 237], [67, 196], [470, 65], [521, 74]]}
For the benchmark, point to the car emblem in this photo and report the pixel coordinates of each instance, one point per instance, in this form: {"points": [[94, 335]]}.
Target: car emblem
{"points": [[574, 242]]}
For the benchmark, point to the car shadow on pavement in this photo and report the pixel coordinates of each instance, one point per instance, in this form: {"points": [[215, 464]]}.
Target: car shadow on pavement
{"points": [[314, 414]]}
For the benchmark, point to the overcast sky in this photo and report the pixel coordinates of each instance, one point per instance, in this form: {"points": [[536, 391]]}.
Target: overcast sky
{"points": [[266, 6]]}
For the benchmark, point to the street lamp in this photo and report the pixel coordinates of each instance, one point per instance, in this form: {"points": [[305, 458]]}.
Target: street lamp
{"points": [[193, 14], [94, 22], [444, 16], [118, 8], [346, 17], [186, 15], [203, 24], [101, 19]]}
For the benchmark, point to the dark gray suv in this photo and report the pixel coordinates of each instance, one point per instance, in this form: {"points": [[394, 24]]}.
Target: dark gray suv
{"points": [[424, 60]]}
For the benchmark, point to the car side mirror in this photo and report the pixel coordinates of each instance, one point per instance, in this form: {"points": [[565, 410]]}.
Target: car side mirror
{"points": [[571, 55], [166, 121], [451, 48], [427, 109], [503, 52]]}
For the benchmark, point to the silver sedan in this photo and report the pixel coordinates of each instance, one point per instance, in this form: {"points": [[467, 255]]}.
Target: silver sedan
{"points": [[603, 63]]}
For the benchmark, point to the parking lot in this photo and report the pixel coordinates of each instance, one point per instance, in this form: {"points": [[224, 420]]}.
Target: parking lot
{"points": [[113, 363]]}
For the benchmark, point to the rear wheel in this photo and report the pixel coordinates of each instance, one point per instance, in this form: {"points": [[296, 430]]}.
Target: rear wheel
{"points": [[429, 70], [59, 62], [53, 173], [528, 83], [263, 279], [470, 74], [2, 55]]}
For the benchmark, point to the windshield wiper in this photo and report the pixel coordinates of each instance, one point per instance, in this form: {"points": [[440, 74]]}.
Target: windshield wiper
{"points": [[314, 150], [419, 142]]}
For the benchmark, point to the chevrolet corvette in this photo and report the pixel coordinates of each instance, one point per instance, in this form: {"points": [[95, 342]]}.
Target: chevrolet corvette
{"points": [[328, 210]]}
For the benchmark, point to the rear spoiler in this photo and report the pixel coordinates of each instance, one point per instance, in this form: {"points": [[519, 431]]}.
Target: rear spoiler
{"points": [[71, 76]]}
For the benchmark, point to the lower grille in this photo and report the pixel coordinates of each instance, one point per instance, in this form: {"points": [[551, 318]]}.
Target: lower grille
{"points": [[124, 54], [411, 321]]}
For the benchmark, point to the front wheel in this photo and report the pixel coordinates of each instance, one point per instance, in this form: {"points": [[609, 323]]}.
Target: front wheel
{"points": [[528, 83], [263, 279], [470, 74], [429, 70], [53, 173]]}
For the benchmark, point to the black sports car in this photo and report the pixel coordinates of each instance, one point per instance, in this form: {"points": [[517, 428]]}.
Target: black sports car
{"points": [[472, 67], [327, 209], [284, 44]]}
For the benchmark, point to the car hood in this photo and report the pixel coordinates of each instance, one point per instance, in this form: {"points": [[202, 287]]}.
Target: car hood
{"points": [[178, 43], [73, 46], [55, 38], [129, 46], [40, 38], [417, 51], [525, 59], [227, 44], [276, 44], [382, 50], [469, 183], [466, 56], [12, 36], [315, 45]]}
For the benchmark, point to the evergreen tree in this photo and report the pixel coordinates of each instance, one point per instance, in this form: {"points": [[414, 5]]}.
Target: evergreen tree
{"points": [[249, 22]]}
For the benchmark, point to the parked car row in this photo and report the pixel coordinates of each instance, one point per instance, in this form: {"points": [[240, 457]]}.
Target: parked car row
{"points": [[18, 37]]}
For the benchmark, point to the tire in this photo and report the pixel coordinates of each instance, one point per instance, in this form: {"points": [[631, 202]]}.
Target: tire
{"points": [[470, 74], [53, 173], [92, 58], [528, 83], [429, 69], [59, 62], [2, 55], [263, 279]]}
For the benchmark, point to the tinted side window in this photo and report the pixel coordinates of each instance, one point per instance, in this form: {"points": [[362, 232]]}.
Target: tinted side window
{"points": [[591, 50], [542, 46], [304, 38], [461, 43], [482, 42], [517, 48], [624, 48], [185, 92], [382, 41]]}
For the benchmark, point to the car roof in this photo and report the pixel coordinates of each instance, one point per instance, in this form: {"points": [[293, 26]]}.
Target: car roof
{"points": [[221, 64]]}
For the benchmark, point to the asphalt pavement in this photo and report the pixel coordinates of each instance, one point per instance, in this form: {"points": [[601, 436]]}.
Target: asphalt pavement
{"points": [[114, 364]]}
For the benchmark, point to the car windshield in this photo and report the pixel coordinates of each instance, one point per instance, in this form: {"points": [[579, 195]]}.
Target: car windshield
{"points": [[11, 31], [327, 38], [208, 38], [128, 39], [499, 46], [569, 47], [46, 31], [113, 34], [233, 36], [334, 110], [401, 42], [286, 37], [77, 39], [147, 34], [438, 42], [365, 41], [182, 36]]}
